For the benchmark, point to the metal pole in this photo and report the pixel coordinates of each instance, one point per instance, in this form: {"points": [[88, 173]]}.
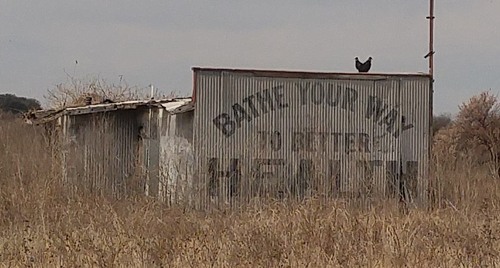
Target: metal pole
{"points": [[424, 196], [431, 38]]}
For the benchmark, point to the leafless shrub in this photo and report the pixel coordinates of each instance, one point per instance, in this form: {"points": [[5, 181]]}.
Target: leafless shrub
{"points": [[74, 92], [446, 141], [475, 133]]}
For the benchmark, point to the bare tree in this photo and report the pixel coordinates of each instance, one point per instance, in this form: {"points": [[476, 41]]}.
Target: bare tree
{"points": [[476, 130]]}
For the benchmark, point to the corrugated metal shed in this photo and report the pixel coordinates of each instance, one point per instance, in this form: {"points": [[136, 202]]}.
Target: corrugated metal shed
{"points": [[292, 135], [118, 149]]}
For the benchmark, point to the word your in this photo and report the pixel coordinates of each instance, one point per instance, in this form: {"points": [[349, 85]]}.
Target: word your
{"points": [[333, 96], [316, 94]]}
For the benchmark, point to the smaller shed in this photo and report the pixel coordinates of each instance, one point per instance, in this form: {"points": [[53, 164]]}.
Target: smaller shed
{"points": [[124, 148]]}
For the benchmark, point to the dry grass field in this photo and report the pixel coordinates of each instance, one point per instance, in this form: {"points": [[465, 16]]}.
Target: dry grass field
{"points": [[41, 226]]}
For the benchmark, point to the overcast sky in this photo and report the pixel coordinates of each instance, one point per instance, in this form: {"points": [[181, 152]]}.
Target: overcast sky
{"points": [[157, 42]]}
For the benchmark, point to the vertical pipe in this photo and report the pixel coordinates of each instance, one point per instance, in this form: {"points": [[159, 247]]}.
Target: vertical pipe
{"points": [[431, 38], [431, 72], [63, 139], [148, 149], [147, 146]]}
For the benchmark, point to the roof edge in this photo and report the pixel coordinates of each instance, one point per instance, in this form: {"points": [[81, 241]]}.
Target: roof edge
{"points": [[306, 74], [44, 116]]}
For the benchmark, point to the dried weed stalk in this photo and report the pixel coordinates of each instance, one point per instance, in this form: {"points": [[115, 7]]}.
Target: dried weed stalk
{"points": [[42, 226]]}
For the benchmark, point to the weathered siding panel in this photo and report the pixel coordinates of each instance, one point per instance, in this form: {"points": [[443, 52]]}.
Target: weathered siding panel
{"points": [[176, 158], [282, 135], [116, 149], [151, 121], [102, 150]]}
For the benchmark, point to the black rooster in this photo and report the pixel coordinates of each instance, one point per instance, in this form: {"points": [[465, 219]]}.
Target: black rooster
{"points": [[363, 67]]}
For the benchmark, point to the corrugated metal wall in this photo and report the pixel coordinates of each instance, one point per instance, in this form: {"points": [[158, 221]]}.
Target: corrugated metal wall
{"points": [[289, 136], [101, 152], [150, 141], [138, 151]]}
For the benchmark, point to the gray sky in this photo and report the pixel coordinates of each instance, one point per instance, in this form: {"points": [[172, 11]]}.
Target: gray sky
{"points": [[159, 41]]}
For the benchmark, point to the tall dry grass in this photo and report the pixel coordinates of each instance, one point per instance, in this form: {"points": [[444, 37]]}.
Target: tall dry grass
{"points": [[42, 226]]}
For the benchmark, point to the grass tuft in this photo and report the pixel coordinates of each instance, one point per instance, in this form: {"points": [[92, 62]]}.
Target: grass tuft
{"points": [[41, 226]]}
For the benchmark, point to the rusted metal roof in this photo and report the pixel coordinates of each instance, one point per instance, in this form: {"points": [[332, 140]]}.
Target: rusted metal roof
{"points": [[172, 105]]}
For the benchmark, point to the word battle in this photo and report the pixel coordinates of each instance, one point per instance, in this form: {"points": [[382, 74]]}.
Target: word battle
{"points": [[311, 93]]}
